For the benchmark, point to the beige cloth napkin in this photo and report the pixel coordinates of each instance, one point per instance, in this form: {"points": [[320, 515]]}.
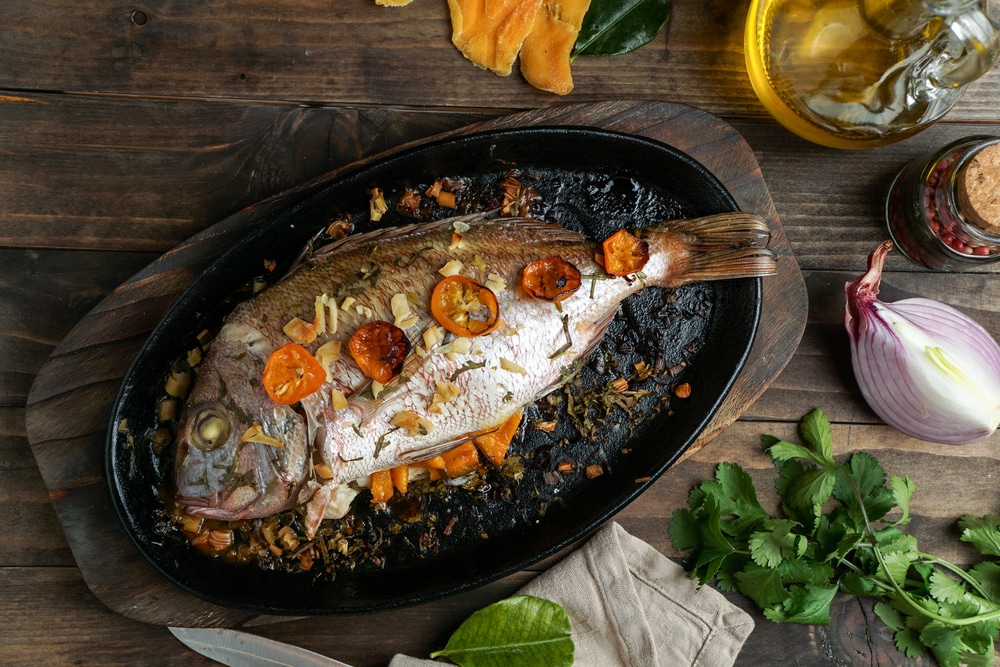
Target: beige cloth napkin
{"points": [[631, 606]]}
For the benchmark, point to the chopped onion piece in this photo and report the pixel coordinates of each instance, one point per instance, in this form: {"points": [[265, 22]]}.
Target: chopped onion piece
{"points": [[510, 366], [452, 268]]}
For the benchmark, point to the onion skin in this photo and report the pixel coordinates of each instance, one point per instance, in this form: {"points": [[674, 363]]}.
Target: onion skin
{"points": [[925, 368]]}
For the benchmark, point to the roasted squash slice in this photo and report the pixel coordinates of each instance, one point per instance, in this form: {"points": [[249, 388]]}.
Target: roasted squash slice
{"points": [[490, 32], [546, 50]]}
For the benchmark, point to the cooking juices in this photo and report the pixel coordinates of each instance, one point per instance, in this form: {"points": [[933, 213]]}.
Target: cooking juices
{"points": [[863, 73], [943, 209]]}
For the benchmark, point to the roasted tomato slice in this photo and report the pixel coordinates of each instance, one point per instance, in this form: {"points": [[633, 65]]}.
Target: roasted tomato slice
{"points": [[464, 307], [379, 348], [291, 374], [550, 279], [624, 254]]}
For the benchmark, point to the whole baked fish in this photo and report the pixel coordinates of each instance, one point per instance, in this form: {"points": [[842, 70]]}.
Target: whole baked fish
{"points": [[242, 455]]}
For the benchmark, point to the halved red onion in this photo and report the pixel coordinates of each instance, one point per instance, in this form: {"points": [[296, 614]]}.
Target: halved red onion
{"points": [[925, 368]]}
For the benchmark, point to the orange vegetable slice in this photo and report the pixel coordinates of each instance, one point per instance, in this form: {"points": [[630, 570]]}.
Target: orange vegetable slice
{"points": [[291, 374], [545, 56], [379, 348], [381, 486], [464, 307], [490, 32], [550, 279], [400, 476], [494, 445], [624, 254], [462, 460]]}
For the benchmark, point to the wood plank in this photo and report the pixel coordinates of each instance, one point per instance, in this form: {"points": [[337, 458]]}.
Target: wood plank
{"points": [[356, 53], [98, 636], [207, 160], [143, 175], [43, 295], [32, 533], [832, 202]]}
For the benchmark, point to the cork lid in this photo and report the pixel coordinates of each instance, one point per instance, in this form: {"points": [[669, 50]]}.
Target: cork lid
{"points": [[979, 190]]}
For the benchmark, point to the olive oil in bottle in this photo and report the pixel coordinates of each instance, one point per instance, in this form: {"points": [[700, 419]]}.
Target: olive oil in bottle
{"points": [[862, 73]]}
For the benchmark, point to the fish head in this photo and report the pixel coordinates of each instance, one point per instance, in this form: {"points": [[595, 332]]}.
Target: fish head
{"points": [[239, 454]]}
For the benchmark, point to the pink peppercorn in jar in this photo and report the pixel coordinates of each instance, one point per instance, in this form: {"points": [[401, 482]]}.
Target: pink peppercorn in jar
{"points": [[943, 209]]}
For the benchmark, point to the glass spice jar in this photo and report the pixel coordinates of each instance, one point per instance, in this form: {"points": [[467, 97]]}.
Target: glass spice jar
{"points": [[943, 209]]}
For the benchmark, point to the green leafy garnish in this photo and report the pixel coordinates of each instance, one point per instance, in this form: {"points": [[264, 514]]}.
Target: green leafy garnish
{"points": [[793, 565], [521, 631], [613, 27]]}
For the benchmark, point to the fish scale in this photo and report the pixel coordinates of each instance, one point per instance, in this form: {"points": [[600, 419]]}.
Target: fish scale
{"points": [[360, 439]]}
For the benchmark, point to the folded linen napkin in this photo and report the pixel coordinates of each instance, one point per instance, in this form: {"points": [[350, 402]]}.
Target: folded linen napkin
{"points": [[633, 607]]}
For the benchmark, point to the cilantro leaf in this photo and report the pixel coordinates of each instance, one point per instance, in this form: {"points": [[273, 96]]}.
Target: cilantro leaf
{"points": [[804, 604], [784, 451], [987, 574], [683, 530], [864, 485], [902, 490], [812, 488], [763, 585], [741, 493], [769, 547], [945, 642], [714, 546], [946, 589], [983, 533], [833, 536], [908, 642], [815, 429]]}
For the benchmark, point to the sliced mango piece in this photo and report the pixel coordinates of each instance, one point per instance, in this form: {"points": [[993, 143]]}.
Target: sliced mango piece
{"points": [[546, 50], [490, 32], [494, 445]]}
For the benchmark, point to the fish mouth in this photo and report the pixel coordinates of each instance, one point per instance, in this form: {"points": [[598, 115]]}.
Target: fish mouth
{"points": [[211, 507]]}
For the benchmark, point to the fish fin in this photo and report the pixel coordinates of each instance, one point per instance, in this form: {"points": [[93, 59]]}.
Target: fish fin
{"points": [[403, 231], [316, 508], [716, 247], [440, 448], [328, 236], [602, 327]]}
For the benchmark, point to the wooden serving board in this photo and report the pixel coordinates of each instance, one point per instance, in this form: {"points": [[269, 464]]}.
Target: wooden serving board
{"points": [[71, 400]]}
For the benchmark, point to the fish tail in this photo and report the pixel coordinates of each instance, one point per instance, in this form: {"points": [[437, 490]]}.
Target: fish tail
{"points": [[716, 247]]}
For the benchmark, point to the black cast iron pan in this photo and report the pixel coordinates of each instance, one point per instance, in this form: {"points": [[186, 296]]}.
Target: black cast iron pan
{"points": [[590, 180]]}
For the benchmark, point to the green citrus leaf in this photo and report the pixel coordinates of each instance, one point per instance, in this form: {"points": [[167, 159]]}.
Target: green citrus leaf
{"points": [[613, 27], [521, 631]]}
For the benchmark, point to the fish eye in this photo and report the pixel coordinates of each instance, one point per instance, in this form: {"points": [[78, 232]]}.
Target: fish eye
{"points": [[209, 430]]}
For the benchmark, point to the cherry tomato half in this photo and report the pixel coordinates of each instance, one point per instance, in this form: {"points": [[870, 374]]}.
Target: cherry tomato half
{"points": [[464, 307], [291, 374], [550, 279], [624, 254], [379, 348]]}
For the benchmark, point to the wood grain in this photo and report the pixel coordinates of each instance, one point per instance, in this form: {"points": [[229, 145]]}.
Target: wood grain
{"points": [[354, 53], [83, 374]]}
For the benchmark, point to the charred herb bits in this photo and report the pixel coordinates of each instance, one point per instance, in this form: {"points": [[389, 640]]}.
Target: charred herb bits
{"points": [[551, 279], [379, 349]]}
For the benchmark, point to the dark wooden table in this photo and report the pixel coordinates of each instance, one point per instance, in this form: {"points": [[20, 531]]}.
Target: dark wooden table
{"points": [[126, 128]]}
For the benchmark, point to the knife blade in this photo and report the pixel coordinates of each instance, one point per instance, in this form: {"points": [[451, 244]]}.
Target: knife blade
{"points": [[242, 649]]}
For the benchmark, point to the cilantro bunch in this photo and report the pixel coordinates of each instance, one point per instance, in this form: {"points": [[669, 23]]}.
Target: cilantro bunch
{"points": [[835, 536]]}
